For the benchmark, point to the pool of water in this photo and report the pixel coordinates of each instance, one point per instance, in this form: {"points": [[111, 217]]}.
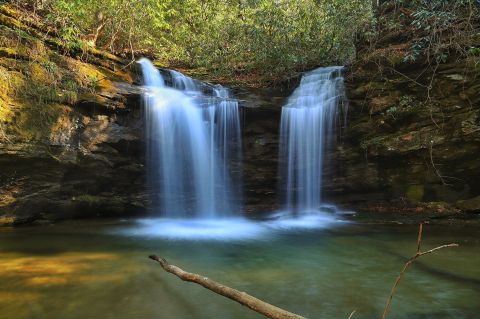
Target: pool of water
{"points": [[100, 269]]}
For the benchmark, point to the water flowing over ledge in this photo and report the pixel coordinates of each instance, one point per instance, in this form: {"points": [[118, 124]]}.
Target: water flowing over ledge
{"points": [[307, 129], [193, 136], [193, 142]]}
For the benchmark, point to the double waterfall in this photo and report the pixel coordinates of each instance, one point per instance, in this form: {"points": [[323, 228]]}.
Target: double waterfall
{"points": [[194, 143]]}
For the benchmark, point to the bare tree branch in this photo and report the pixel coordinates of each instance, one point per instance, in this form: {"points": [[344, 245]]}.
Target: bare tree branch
{"points": [[269, 310], [266, 309], [407, 265]]}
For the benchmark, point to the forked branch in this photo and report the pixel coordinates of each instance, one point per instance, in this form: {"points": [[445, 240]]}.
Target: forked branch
{"points": [[407, 265]]}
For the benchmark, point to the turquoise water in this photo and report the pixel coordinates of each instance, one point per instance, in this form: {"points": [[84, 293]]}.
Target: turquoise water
{"points": [[101, 270]]}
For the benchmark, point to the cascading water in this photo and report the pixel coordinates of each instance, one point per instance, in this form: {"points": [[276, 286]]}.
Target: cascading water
{"points": [[308, 122], [194, 155], [193, 143]]}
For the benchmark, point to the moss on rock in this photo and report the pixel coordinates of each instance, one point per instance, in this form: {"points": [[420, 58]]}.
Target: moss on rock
{"points": [[415, 193]]}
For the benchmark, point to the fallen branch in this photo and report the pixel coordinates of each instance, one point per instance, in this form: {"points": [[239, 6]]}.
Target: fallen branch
{"points": [[264, 308], [407, 265], [271, 311]]}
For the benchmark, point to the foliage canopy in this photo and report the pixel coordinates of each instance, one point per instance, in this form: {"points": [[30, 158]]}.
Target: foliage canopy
{"points": [[272, 37]]}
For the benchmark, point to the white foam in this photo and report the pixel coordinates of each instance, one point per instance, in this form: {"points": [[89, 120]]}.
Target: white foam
{"points": [[311, 220], [196, 229], [227, 229]]}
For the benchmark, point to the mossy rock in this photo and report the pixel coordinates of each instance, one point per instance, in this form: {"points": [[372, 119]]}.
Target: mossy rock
{"points": [[470, 205], [90, 199], [415, 193], [14, 53], [7, 220], [40, 74], [36, 122]]}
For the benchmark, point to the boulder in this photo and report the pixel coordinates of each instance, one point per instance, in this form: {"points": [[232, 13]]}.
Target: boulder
{"points": [[470, 205]]}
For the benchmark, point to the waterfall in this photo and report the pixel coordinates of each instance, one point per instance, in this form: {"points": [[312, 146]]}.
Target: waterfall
{"points": [[193, 144], [307, 125]]}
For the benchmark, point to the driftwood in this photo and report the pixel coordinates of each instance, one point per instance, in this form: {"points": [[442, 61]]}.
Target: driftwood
{"points": [[242, 298]]}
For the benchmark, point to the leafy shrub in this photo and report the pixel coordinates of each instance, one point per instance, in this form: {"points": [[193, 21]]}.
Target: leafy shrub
{"points": [[92, 83], [444, 28]]}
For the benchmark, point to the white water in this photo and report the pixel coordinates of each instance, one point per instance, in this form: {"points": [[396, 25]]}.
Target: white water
{"points": [[193, 138], [193, 156], [308, 122], [226, 229]]}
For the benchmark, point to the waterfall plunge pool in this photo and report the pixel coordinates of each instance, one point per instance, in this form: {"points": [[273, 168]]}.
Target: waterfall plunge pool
{"points": [[87, 269], [229, 228]]}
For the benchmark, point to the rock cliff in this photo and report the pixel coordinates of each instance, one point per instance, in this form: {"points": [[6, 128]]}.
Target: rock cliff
{"points": [[71, 133], [70, 129]]}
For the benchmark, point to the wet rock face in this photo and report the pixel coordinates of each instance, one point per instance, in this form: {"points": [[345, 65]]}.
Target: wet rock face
{"points": [[261, 112], [402, 146], [417, 146], [91, 164], [470, 205], [398, 149], [71, 130]]}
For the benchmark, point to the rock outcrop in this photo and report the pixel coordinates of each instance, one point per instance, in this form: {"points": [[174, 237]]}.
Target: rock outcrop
{"points": [[406, 142], [414, 123], [70, 131]]}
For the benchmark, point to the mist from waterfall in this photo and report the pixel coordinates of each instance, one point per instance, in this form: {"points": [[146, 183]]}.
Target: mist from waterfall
{"points": [[193, 145], [307, 129]]}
